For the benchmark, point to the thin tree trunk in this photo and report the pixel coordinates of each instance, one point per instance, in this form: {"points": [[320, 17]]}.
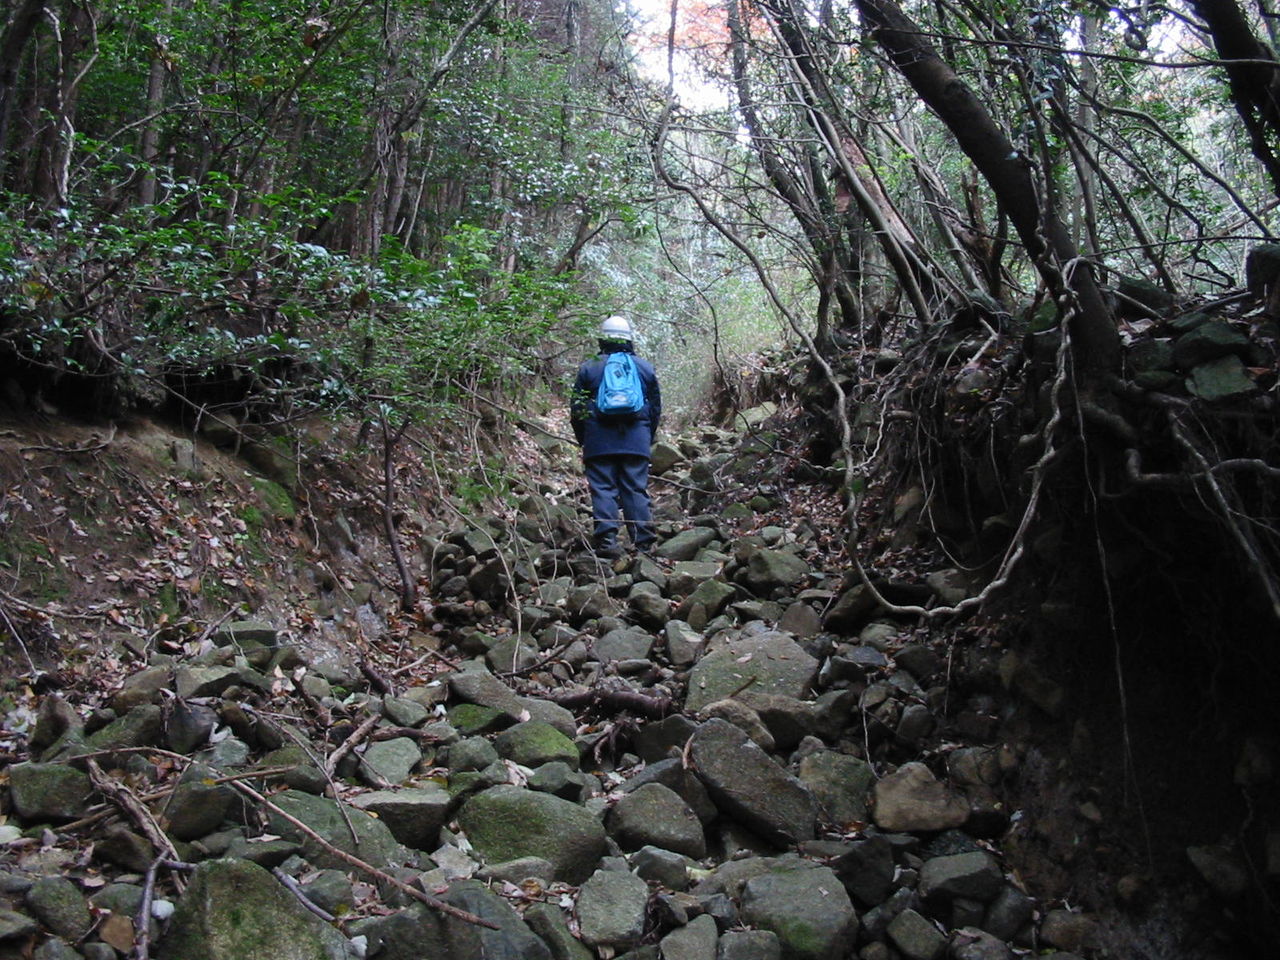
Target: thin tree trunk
{"points": [[1008, 173]]}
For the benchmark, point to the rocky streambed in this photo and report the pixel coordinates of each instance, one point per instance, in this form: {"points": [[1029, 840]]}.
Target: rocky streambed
{"points": [[718, 752]]}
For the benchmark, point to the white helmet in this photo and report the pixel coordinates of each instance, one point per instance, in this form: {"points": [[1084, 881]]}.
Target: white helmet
{"points": [[617, 328]]}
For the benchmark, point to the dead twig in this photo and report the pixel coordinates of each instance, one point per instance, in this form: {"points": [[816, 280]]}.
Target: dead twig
{"points": [[293, 887], [135, 810], [349, 744]]}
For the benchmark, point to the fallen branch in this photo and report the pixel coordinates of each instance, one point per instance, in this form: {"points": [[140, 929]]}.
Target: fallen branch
{"points": [[349, 744], [135, 810], [614, 701], [364, 865], [293, 887]]}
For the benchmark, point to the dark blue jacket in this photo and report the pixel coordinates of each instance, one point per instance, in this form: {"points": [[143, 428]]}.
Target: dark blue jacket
{"points": [[613, 435]]}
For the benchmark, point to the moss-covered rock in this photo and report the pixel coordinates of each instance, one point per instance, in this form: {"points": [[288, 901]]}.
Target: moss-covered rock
{"points": [[534, 743], [506, 823], [235, 910]]}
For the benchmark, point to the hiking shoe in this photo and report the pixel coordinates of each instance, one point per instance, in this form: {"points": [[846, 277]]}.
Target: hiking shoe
{"points": [[608, 551]]}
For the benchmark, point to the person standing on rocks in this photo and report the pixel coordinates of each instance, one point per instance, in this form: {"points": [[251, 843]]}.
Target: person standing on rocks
{"points": [[616, 436]]}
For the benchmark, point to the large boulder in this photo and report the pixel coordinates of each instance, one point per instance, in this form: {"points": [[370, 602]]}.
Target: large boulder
{"points": [[750, 786], [806, 906], [506, 823], [764, 663], [235, 910]]}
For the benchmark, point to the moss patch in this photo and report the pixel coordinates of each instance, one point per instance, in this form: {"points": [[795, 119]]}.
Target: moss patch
{"points": [[275, 498]]}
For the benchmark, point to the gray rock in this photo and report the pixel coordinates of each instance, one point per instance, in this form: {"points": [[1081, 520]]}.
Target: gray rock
{"points": [[505, 822], [1149, 356], [686, 544], [1066, 930], [49, 791], [684, 644], [331, 890], [867, 870], [840, 783], [405, 712], [788, 719], [142, 726], [1220, 379], [663, 456], [742, 717], [589, 602], [687, 575], [655, 741], [611, 907], [1221, 869], [661, 866], [912, 799], [197, 681], [303, 775], [949, 586], [391, 761], [234, 910], [473, 753], [534, 743], [770, 570], [851, 611], [916, 937], [410, 934], [188, 726], [14, 925], [247, 633], [196, 808], [1209, 341], [695, 941], [650, 609], [708, 599], [749, 945], [58, 904], [974, 876], [800, 620], [749, 786], [373, 840], [806, 906], [413, 815], [1008, 913], [628, 643], [475, 684], [654, 815], [971, 943], [519, 870], [513, 940], [548, 922], [57, 949], [673, 774], [765, 663], [141, 687]]}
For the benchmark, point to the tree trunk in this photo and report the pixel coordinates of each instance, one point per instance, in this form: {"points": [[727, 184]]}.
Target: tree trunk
{"points": [[1008, 173]]}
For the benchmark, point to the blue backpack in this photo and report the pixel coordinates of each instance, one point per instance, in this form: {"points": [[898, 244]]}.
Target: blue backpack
{"points": [[621, 393]]}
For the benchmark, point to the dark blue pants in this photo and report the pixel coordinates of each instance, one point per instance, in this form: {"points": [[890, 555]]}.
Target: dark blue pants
{"points": [[620, 480]]}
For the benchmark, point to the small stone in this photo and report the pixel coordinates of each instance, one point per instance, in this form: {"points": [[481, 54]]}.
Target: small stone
{"points": [[60, 906], [912, 799], [611, 908], [390, 760], [49, 791], [916, 937]]}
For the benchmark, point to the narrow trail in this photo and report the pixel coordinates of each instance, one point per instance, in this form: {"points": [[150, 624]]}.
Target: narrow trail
{"points": [[723, 751]]}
